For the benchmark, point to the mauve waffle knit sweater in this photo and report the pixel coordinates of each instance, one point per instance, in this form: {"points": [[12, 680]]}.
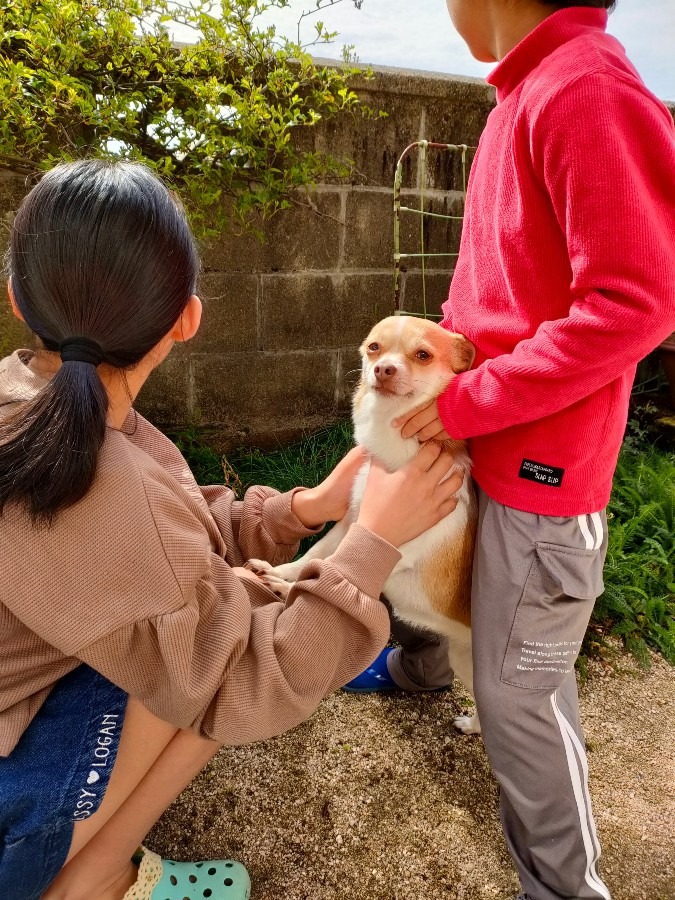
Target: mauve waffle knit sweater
{"points": [[566, 272], [135, 581]]}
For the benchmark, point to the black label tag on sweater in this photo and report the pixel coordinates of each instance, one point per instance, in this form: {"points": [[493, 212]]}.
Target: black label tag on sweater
{"points": [[541, 473]]}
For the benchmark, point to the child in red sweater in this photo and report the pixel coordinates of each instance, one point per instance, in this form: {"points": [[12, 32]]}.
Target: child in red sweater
{"points": [[565, 280]]}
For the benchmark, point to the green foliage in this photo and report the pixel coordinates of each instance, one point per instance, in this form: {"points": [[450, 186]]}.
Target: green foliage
{"points": [[205, 464], [216, 119], [638, 605], [306, 462]]}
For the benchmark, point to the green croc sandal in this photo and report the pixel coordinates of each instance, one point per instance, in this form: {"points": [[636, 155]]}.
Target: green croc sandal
{"points": [[163, 879]]}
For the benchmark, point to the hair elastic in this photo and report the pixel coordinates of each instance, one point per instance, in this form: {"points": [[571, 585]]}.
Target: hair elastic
{"points": [[81, 349]]}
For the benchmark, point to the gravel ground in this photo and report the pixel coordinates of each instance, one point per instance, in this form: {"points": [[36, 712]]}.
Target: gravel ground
{"points": [[377, 798]]}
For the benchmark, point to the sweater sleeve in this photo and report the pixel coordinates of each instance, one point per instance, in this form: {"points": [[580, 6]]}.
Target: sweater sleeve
{"points": [[239, 666], [605, 153], [261, 526]]}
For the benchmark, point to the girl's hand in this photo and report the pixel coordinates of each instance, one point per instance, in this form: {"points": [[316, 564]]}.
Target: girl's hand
{"points": [[329, 501], [240, 572], [424, 424], [399, 506]]}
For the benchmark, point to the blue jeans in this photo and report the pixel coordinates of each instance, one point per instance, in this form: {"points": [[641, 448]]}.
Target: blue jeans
{"points": [[56, 775]]}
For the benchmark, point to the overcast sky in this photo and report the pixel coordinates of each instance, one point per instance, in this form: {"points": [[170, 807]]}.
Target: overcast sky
{"points": [[417, 34]]}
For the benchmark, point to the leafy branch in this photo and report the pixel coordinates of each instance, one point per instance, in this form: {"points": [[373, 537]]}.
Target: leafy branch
{"points": [[225, 116], [323, 36]]}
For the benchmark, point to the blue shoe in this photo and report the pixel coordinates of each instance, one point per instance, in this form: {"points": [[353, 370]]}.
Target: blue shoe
{"points": [[375, 678]]}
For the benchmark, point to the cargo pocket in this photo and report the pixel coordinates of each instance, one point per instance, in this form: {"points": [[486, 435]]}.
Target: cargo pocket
{"points": [[552, 616]]}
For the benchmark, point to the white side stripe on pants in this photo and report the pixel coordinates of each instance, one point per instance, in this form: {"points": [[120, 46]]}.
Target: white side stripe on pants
{"points": [[597, 522], [580, 787], [586, 531]]}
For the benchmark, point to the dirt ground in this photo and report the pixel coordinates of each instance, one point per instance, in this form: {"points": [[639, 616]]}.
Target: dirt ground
{"points": [[377, 798]]}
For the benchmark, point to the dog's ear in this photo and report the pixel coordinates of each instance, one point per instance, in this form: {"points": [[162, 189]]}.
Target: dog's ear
{"points": [[462, 353]]}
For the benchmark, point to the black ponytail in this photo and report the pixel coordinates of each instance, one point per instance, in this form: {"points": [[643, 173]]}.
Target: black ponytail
{"points": [[100, 252], [50, 446]]}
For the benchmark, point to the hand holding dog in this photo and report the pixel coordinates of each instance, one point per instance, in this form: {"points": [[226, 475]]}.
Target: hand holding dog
{"points": [[424, 424], [241, 572], [329, 501], [401, 505]]}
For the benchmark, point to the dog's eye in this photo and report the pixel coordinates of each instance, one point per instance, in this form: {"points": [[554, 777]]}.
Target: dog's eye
{"points": [[423, 355], [373, 348]]}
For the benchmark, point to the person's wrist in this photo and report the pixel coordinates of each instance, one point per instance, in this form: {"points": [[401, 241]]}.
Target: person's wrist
{"points": [[306, 505], [378, 528]]}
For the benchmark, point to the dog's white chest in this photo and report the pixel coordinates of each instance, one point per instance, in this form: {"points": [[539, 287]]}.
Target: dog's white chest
{"points": [[374, 431]]}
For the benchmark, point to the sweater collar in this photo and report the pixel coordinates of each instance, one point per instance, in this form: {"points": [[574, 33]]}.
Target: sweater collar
{"points": [[557, 29]]}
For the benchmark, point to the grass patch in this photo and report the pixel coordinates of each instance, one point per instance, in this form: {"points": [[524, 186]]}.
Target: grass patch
{"points": [[206, 465], [638, 605], [306, 462]]}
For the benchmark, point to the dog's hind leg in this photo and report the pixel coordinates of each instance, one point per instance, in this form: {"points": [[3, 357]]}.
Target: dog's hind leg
{"points": [[461, 660]]}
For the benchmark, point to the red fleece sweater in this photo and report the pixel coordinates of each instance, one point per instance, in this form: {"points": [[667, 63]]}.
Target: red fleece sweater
{"points": [[566, 272]]}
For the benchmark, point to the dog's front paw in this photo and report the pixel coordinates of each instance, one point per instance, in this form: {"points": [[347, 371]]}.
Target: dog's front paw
{"points": [[277, 585], [267, 574], [259, 567], [467, 724]]}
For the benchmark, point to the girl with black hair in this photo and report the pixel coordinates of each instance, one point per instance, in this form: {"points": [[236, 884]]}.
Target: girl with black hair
{"points": [[132, 642]]}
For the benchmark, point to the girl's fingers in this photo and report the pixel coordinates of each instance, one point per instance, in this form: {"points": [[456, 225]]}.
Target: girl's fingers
{"points": [[442, 464], [240, 572], [419, 420], [432, 431], [413, 426], [427, 455], [450, 486], [448, 507]]}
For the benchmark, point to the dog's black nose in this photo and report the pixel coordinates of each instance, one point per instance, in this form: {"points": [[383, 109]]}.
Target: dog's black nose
{"points": [[382, 372]]}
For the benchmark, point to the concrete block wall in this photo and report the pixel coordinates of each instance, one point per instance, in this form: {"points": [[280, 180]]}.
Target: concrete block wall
{"points": [[277, 353]]}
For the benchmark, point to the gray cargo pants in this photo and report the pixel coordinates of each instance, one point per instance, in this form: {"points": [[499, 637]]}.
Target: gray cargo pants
{"points": [[535, 580]]}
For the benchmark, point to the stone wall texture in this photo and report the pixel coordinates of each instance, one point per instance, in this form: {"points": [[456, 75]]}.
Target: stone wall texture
{"points": [[277, 356]]}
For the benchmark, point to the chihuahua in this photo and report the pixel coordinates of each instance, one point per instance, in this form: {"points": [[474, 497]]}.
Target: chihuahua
{"points": [[406, 363]]}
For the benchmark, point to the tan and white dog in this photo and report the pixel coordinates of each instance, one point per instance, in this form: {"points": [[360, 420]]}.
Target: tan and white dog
{"points": [[407, 362]]}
